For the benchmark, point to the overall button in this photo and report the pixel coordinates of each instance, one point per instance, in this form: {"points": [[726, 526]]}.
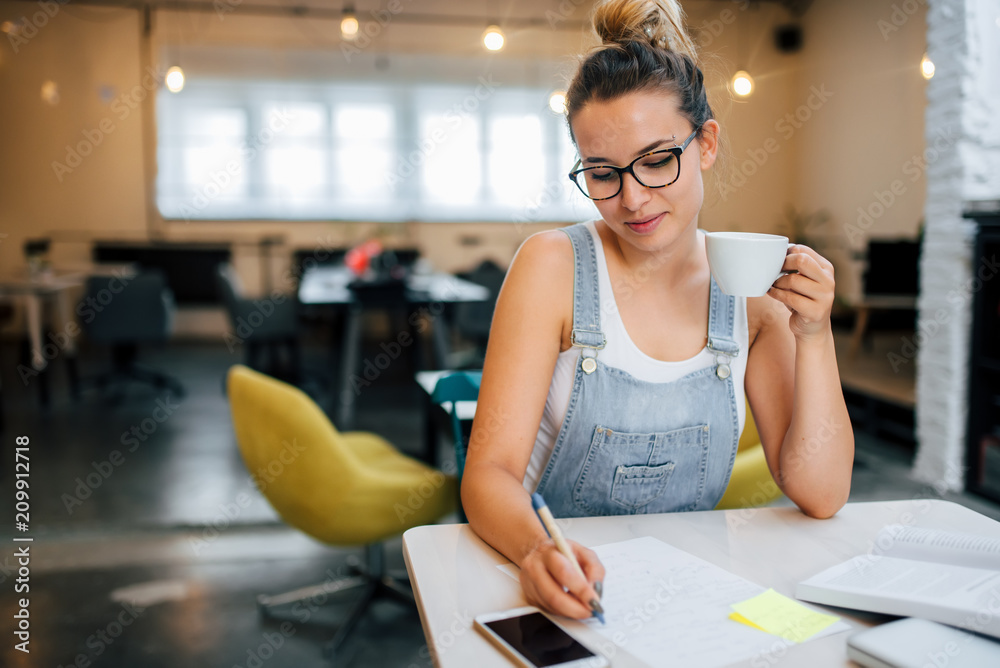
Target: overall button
{"points": [[589, 365], [722, 371]]}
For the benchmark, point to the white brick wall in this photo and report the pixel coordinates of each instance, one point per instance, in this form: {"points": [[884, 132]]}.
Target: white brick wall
{"points": [[963, 40]]}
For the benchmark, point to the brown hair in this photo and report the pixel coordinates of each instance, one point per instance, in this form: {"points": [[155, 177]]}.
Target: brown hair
{"points": [[645, 46]]}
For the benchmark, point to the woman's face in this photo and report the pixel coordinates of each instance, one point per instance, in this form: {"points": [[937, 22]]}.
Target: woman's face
{"points": [[616, 132]]}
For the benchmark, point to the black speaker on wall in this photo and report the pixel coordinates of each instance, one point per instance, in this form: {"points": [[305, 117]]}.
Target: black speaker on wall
{"points": [[788, 38]]}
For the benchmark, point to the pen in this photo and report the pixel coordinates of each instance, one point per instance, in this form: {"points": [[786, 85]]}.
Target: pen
{"points": [[551, 528]]}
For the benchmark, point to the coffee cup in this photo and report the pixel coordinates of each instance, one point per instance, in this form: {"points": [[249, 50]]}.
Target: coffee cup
{"points": [[745, 264]]}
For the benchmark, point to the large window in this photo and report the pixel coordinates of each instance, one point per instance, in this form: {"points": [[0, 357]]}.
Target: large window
{"points": [[239, 150]]}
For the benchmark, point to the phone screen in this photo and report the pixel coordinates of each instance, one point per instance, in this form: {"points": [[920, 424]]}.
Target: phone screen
{"points": [[539, 639]]}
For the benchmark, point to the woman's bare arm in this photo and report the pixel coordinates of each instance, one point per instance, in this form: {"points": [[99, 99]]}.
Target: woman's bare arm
{"points": [[793, 385], [530, 325]]}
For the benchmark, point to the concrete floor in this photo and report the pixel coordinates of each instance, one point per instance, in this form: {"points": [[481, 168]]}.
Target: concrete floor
{"points": [[153, 567]]}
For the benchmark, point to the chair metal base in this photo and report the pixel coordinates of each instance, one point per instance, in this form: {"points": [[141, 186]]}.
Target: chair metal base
{"points": [[372, 579], [126, 369]]}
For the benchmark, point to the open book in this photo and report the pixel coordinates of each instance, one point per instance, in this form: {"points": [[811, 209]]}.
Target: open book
{"points": [[942, 576]]}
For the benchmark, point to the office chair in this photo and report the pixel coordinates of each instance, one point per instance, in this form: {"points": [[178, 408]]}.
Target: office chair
{"points": [[472, 320], [263, 323], [750, 484], [458, 386], [341, 488], [122, 313]]}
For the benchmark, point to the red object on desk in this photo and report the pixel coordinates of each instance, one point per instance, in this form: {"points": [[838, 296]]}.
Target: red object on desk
{"points": [[359, 258]]}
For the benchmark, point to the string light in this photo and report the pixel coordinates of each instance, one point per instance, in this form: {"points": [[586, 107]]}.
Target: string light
{"points": [[175, 79], [557, 102], [493, 38], [742, 83], [349, 24], [926, 67]]}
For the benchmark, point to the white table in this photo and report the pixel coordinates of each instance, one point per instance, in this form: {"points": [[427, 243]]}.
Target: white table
{"points": [[455, 577]]}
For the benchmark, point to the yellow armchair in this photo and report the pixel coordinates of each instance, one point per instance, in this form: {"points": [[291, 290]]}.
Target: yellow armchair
{"points": [[345, 489]]}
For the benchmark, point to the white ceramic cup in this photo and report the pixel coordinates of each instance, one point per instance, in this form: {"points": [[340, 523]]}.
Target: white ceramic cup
{"points": [[745, 264]]}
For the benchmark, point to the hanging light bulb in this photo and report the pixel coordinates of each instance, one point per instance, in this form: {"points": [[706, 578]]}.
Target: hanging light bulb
{"points": [[175, 79], [557, 102], [926, 67], [50, 93], [742, 83], [493, 38], [349, 24]]}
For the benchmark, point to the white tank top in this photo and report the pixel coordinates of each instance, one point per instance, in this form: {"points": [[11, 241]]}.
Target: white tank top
{"points": [[622, 353]]}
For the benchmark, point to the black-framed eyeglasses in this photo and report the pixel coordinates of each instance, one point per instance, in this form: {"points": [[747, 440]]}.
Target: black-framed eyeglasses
{"points": [[656, 169]]}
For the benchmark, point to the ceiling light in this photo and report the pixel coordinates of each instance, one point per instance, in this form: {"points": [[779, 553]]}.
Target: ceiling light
{"points": [[926, 67], [50, 93], [175, 79], [742, 83], [493, 38], [349, 24], [557, 102]]}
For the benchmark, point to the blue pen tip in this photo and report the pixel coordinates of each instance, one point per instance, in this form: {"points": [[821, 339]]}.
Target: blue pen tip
{"points": [[600, 617], [537, 502]]}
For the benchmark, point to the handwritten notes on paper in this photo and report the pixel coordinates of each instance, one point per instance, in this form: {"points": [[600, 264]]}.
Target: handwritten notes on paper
{"points": [[781, 616], [665, 606]]}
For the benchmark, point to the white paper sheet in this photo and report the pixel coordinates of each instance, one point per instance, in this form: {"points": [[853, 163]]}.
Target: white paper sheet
{"points": [[668, 607]]}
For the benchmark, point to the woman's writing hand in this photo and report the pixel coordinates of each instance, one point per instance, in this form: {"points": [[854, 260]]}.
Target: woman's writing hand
{"points": [[808, 292], [546, 575]]}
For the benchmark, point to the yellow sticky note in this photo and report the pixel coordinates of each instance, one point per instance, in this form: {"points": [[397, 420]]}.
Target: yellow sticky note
{"points": [[782, 616], [737, 617]]}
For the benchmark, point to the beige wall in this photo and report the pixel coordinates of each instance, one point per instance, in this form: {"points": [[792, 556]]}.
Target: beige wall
{"points": [[853, 144], [865, 138]]}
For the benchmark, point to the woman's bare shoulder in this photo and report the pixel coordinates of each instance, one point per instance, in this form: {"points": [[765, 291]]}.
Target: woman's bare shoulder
{"points": [[540, 281]]}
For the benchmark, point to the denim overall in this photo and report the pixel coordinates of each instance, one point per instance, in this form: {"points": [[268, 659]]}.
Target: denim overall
{"points": [[628, 446]]}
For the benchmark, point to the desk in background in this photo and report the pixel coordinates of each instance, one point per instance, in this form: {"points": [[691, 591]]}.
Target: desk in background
{"points": [[53, 287], [455, 577], [331, 286]]}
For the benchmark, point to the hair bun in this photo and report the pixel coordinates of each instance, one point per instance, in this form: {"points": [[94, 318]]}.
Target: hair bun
{"points": [[659, 23]]}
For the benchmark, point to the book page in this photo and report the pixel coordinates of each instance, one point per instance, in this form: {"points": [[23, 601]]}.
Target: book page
{"points": [[951, 547], [956, 595]]}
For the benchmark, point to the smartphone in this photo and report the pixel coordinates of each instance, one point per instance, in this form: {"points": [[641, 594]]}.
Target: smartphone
{"points": [[535, 641]]}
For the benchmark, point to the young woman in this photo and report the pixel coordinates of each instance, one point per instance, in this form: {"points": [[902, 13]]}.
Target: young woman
{"points": [[617, 372]]}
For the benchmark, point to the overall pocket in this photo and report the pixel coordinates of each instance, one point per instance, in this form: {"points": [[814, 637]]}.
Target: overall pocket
{"points": [[628, 473]]}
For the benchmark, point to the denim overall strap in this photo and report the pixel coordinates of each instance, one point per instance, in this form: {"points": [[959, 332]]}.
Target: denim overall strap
{"points": [[586, 332], [721, 318]]}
